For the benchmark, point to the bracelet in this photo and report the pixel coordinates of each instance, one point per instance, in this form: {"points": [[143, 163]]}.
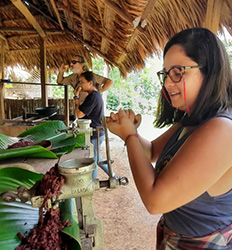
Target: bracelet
{"points": [[76, 97], [136, 135]]}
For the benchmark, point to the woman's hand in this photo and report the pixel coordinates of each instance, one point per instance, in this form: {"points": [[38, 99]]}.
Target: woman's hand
{"points": [[123, 123], [77, 91]]}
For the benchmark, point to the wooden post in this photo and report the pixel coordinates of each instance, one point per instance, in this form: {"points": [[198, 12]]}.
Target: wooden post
{"points": [[104, 94], [213, 15], [2, 109], [43, 72], [66, 105], [2, 90]]}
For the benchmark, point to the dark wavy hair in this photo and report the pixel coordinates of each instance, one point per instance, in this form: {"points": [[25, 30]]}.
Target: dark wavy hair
{"points": [[89, 76], [215, 95]]}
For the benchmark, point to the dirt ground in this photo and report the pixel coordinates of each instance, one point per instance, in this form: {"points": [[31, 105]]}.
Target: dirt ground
{"points": [[127, 224]]}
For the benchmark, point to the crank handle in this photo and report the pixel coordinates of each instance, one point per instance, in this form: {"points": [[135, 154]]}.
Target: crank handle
{"points": [[113, 182]]}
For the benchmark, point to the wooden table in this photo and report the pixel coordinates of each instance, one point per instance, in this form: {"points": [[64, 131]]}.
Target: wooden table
{"points": [[42, 165]]}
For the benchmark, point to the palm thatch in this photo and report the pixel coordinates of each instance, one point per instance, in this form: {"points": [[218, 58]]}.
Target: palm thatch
{"points": [[123, 32]]}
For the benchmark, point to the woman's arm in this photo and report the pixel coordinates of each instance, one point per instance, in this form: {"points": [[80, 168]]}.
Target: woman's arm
{"points": [[78, 113], [154, 148], [128, 124], [198, 165]]}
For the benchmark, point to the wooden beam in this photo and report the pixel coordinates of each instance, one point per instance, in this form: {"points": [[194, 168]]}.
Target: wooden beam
{"points": [[72, 45], [109, 16], [229, 3], [18, 29], [121, 13], [98, 3], [45, 15], [43, 71], [227, 26], [103, 56], [35, 35], [5, 40], [118, 11], [49, 7], [85, 32], [2, 89], [57, 14], [2, 74], [147, 10], [66, 105], [84, 43], [90, 47], [2, 37], [93, 28], [79, 39], [2, 108], [51, 47], [24, 10], [96, 30], [213, 14], [18, 20]]}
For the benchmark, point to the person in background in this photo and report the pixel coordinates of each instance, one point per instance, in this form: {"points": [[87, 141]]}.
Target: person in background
{"points": [[191, 184], [79, 65], [92, 108]]}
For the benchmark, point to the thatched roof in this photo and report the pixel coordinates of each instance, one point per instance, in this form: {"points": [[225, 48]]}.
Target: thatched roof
{"points": [[123, 32]]}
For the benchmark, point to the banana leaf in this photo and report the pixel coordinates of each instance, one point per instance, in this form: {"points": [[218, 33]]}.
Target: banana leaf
{"points": [[21, 217], [52, 131], [32, 151], [62, 143], [44, 131]]}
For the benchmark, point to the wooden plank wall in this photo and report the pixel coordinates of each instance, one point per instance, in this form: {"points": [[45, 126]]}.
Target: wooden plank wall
{"points": [[15, 107]]}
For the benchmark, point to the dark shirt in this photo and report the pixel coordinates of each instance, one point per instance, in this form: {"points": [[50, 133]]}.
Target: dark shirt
{"points": [[93, 108]]}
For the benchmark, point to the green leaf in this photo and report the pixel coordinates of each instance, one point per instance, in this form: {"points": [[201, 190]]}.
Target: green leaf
{"points": [[32, 151], [6, 140], [16, 216], [69, 211], [21, 217], [44, 131], [62, 143], [12, 177]]}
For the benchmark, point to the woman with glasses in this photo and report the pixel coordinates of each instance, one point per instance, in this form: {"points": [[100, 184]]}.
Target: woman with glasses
{"points": [[191, 184], [78, 65]]}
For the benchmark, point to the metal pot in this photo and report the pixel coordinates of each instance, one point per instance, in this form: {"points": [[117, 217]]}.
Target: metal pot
{"points": [[46, 111]]}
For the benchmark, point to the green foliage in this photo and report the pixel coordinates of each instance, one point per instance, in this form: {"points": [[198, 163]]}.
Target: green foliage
{"points": [[58, 91], [138, 92], [98, 65], [228, 46], [112, 102]]}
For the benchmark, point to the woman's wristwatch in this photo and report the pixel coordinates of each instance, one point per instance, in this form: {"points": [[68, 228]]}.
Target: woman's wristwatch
{"points": [[76, 97]]}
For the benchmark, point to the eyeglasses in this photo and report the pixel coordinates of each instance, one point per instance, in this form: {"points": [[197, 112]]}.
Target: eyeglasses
{"points": [[175, 73], [74, 62]]}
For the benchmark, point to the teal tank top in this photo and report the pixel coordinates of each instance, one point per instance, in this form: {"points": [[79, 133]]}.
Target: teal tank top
{"points": [[205, 214]]}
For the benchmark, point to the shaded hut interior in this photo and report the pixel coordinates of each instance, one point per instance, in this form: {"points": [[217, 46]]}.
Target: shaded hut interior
{"points": [[46, 33]]}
